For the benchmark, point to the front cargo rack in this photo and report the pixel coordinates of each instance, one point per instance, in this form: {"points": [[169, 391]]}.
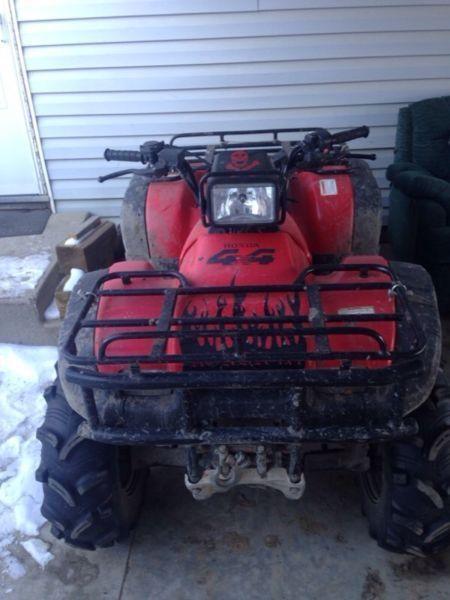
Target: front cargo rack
{"points": [[217, 141], [223, 142], [279, 366]]}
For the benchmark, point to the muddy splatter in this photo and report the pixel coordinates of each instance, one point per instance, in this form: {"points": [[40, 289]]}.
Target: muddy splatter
{"points": [[272, 541], [374, 587], [311, 526], [417, 567], [236, 542], [340, 538], [207, 543]]}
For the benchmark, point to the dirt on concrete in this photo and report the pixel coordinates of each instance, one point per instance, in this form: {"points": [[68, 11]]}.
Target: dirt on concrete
{"points": [[243, 545]]}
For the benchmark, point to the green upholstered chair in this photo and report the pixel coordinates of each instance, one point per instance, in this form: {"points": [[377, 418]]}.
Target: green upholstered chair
{"points": [[419, 214]]}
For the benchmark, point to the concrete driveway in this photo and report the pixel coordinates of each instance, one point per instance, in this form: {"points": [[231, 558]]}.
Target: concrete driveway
{"points": [[247, 545], [251, 544]]}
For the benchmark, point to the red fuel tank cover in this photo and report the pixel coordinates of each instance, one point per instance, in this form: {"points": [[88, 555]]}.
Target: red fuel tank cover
{"points": [[238, 258], [323, 210], [130, 307]]}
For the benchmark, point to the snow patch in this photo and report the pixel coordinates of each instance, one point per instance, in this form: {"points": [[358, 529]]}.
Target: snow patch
{"points": [[38, 550], [21, 274], [75, 276], [24, 373], [9, 563], [12, 566], [51, 312]]}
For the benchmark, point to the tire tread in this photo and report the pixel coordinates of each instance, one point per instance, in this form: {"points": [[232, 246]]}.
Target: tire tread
{"points": [[80, 480], [413, 511]]}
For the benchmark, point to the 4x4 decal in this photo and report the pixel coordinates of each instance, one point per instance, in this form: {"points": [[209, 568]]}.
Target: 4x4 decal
{"points": [[231, 256]]}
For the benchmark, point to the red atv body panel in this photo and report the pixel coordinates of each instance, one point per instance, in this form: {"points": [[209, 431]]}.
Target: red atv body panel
{"points": [[369, 302], [376, 301], [323, 209], [319, 221], [123, 307], [171, 212], [244, 258]]}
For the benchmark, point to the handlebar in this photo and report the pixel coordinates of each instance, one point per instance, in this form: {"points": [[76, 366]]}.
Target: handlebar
{"points": [[150, 150], [318, 148], [350, 134], [123, 155]]}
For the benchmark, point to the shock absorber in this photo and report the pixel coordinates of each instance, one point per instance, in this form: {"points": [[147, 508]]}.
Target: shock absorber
{"points": [[261, 461], [295, 466], [194, 471]]}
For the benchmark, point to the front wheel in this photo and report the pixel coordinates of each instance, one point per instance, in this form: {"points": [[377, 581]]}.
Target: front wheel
{"points": [[92, 491], [406, 492]]}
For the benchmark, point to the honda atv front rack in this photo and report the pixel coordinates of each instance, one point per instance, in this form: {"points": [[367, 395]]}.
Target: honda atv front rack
{"points": [[224, 143], [237, 364], [274, 143], [205, 152]]}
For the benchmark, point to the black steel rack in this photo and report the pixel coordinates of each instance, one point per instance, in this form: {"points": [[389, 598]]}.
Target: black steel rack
{"points": [[274, 133], [284, 364], [205, 152]]}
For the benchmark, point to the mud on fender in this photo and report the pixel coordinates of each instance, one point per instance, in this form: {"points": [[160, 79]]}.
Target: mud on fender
{"points": [[423, 301]]}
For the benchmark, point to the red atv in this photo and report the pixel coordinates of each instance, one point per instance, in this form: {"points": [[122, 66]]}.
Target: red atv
{"points": [[252, 335]]}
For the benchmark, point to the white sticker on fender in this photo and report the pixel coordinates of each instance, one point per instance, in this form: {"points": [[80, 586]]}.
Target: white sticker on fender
{"points": [[357, 310], [328, 187]]}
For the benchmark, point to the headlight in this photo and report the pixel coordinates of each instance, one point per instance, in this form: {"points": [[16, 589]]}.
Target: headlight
{"points": [[243, 204]]}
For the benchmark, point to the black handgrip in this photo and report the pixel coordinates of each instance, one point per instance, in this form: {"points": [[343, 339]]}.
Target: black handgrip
{"points": [[350, 134], [123, 155]]}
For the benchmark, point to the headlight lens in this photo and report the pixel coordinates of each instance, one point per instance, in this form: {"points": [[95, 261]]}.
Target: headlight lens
{"points": [[243, 204]]}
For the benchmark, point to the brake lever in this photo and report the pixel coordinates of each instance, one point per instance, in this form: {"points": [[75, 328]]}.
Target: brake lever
{"points": [[363, 156], [115, 174], [147, 172]]}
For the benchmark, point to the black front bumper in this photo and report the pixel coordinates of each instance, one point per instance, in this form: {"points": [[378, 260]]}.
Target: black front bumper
{"points": [[247, 435], [250, 415]]}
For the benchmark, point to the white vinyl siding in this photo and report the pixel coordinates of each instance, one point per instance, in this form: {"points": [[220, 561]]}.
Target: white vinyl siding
{"points": [[109, 73]]}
